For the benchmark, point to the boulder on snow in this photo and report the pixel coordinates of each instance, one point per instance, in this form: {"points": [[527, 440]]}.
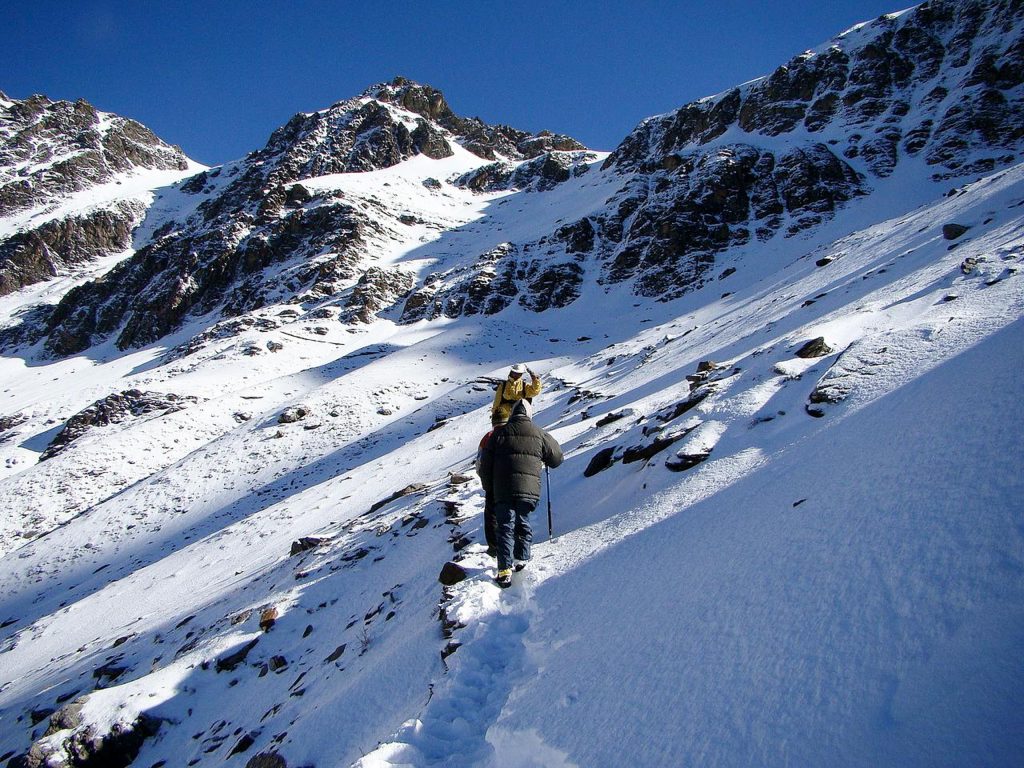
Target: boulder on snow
{"points": [[269, 760], [952, 231], [600, 462], [269, 618], [293, 414], [305, 544], [680, 463], [408, 490], [457, 478], [815, 348], [229, 661], [452, 573]]}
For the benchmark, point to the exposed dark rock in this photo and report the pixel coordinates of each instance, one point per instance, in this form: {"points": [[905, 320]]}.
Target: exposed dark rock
{"points": [[70, 147], [475, 135], [670, 414], [600, 461], [114, 409], [229, 661], [268, 618], [293, 414], [452, 573], [407, 491], [537, 175], [65, 718], [269, 760], [953, 231], [377, 289], [33, 255], [88, 748], [686, 461], [305, 544], [815, 348], [646, 452], [610, 418]]}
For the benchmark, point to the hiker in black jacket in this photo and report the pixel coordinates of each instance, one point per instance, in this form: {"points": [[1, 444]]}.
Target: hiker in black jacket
{"points": [[510, 470]]}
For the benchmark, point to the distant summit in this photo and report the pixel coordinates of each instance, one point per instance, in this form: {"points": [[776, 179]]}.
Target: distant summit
{"points": [[53, 150]]}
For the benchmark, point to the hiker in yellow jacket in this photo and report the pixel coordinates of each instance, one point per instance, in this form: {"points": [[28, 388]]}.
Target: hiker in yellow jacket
{"points": [[511, 391]]}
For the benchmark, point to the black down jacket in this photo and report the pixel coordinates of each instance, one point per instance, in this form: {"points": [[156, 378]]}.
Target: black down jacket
{"points": [[512, 460]]}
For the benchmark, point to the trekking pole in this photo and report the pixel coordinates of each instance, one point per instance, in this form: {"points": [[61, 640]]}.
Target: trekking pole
{"points": [[547, 474]]}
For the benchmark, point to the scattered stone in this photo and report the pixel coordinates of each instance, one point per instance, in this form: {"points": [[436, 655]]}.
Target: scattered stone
{"points": [[305, 544], [460, 479], [230, 661], [269, 760], [293, 414], [431, 183], [815, 348], [37, 716], [645, 452], [968, 265], [278, 664], [108, 673], [268, 618], [610, 418], [953, 231], [335, 654], [244, 744], [686, 461], [600, 462], [408, 490], [274, 346], [824, 261], [65, 718], [452, 573], [242, 416]]}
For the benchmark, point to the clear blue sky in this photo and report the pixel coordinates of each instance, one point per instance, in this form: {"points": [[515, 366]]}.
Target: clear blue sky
{"points": [[217, 77]]}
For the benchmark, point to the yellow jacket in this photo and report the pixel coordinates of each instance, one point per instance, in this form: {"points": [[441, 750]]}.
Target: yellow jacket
{"points": [[509, 392]]}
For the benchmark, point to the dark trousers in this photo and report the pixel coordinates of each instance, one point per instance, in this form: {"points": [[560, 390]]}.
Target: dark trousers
{"points": [[513, 530], [490, 524]]}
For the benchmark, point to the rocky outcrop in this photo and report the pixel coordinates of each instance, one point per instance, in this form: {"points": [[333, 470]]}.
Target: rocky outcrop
{"points": [[256, 215], [712, 175], [30, 256], [866, 83], [537, 175], [484, 140], [664, 235], [49, 149], [114, 409]]}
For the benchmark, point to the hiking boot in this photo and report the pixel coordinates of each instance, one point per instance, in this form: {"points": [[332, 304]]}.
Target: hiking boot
{"points": [[519, 566], [504, 578]]}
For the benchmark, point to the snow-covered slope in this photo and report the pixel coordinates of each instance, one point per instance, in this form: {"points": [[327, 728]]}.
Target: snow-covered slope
{"points": [[761, 557]]}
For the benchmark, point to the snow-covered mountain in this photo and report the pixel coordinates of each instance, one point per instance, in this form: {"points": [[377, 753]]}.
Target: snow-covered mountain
{"points": [[780, 333], [74, 184]]}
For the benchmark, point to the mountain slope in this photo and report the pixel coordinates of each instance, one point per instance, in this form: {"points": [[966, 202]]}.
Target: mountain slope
{"points": [[74, 184], [788, 528]]}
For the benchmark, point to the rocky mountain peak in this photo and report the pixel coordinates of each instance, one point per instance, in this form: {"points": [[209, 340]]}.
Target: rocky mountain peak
{"points": [[49, 149]]}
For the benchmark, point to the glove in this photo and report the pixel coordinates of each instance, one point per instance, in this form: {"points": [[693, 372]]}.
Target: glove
{"points": [[533, 375]]}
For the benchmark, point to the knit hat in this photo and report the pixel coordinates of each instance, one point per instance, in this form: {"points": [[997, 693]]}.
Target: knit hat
{"points": [[526, 406]]}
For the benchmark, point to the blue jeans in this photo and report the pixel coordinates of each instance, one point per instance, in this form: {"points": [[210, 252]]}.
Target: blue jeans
{"points": [[514, 532]]}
